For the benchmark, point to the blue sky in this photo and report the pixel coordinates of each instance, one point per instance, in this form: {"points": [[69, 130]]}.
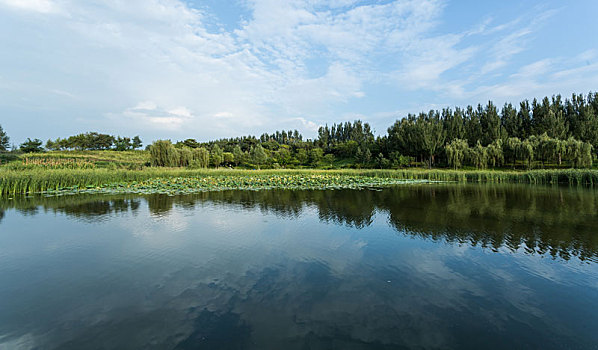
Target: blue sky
{"points": [[207, 69]]}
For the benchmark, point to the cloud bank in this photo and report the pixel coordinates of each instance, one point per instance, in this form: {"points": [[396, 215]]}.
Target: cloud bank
{"points": [[172, 69]]}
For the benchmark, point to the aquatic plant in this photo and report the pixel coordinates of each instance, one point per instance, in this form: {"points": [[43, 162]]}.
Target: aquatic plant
{"points": [[45, 180]]}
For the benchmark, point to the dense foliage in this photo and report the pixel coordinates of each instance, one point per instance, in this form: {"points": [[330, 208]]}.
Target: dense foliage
{"points": [[546, 133], [94, 141], [32, 146], [550, 133], [4, 140]]}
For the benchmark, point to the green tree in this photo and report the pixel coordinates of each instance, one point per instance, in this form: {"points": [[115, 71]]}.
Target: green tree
{"points": [[32, 146], [122, 144], [586, 155], [367, 156], [191, 143], [164, 154], [329, 159], [473, 127], [453, 124], [456, 152], [258, 155], [216, 156], [4, 140], [136, 143], [201, 158], [511, 122], [238, 155], [399, 161], [478, 156], [490, 123], [315, 156], [228, 158], [561, 149], [579, 153], [185, 156], [359, 155], [382, 162], [52, 145], [511, 149], [524, 115], [545, 148], [495, 153], [526, 150], [283, 155], [558, 128], [302, 156], [432, 135]]}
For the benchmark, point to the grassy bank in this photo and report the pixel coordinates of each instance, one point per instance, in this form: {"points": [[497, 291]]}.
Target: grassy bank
{"points": [[26, 181]]}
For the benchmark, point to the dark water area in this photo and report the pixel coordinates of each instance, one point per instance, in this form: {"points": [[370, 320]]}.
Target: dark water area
{"points": [[421, 266]]}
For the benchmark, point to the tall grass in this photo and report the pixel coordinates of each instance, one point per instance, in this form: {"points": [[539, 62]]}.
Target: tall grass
{"points": [[13, 182], [98, 159]]}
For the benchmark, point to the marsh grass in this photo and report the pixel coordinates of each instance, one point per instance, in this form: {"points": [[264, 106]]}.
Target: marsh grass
{"points": [[28, 181], [134, 160]]}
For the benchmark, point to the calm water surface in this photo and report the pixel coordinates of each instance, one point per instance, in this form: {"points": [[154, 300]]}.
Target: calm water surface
{"points": [[424, 266]]}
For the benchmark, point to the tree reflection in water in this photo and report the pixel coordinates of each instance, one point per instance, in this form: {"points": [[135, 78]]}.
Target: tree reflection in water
{"points": [[559, 221]]}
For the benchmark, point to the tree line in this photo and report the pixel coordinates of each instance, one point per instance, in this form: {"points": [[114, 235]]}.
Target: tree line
{"points": [[551, 132], [91, 141]]}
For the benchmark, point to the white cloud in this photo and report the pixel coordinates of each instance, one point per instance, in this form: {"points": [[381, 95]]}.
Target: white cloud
{"points": [[148, 114], [295, 62], [545, 77], [41, 6]]}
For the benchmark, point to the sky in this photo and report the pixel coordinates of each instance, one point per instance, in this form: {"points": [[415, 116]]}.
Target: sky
{"points": [[208, 69]]}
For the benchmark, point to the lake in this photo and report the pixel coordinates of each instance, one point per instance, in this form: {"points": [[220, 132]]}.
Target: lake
{"points": [[430, 266]]}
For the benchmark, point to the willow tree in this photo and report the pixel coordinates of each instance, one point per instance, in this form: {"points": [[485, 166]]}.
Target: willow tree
{"points": [[456, 151], [201, 157], [185, 156], [526, 150], [478, 155], [579, 153], [545, 148], [561, 149], [163, 153], [494, 152], [586, 155], [511, 149], [216, 156]]}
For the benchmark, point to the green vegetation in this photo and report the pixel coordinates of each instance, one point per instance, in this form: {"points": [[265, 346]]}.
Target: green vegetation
{"points": [[4, 140], [131, 160], [173, 180], [552, 134], [187, 185], [92, 141], [32, 146], [549, 134]]}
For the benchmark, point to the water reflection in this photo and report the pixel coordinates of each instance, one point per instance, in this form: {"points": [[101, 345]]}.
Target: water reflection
{"points": [[558, 221], [302, 270], [84, 207]]}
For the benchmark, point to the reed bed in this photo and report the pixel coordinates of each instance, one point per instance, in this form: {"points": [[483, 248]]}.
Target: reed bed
{"points": [[13, 182]]}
